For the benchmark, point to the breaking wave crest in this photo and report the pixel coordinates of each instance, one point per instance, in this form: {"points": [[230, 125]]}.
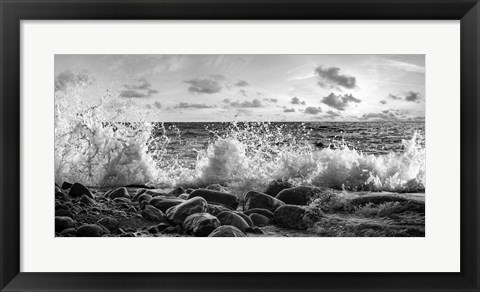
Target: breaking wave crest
{"points": [[98, 153]]}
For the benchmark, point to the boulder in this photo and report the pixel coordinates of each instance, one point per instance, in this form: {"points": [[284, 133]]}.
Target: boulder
{"points": [[61, 196], [277, 186], [89, 230], [216, 197], [78, 190], [260, 211], [109, 223], [297, 196], [64, 213], [227, 231], [87, 200], [244, 217], [63, 222], [183, 196], [200, 224], [217, 209], [230, 218], [119, 193], [177, 214], [176, 191], [255, 199], [255, 230], [259, 220], [291, 216], [66, 185], [153, 214], [69, 232], [163, 203]]}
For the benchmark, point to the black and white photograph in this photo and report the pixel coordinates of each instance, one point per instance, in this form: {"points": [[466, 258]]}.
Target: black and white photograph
{"points": [[227, 145]]}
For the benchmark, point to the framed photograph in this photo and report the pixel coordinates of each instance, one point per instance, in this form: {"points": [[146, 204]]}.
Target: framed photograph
{"points": [[238, 145]]}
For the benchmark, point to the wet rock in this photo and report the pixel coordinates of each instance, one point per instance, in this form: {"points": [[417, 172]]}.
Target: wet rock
{"points": [[183, 196], [217, 209], [188, 191], [162, 226], [62, 223], [89, 230], [109, 223], [297, 196], [259, 220], [69, 232], [291, 216], [144, 198], [153, 214], [66, 185], [163, 203], [172, 230], [255, 230], [200, 224], [87, 200], [122, 200], [260, 211], [78, 190], [177, 214], [244, 217], [153, 230], [64, 213], [138, 193], [132, 209], [255, 199], [61, 196], [176, 191], [230, 218], [216, 197], [375, 199], [277, 186], [119, 193], [226, 231], [215, 187]]}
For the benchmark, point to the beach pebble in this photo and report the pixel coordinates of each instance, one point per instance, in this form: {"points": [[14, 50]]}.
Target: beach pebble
{"points": [[176, 191], [255, 199], [277, 186], [230, 218], [122, 200], [87, 200], [144, 198], [177, 214], [118, 193], [244, 217], [153, 214], [200, 224], [217, 209], [61, 196], [89, 230], [109, 223], [291, 216], [255, 230], [216, 197], [226, 231], [183, 196], [64, 213], [172, 230], [163, 203], [78, 190], [259, 220], [63, 222], [297, 196], [69, 232], [260, 211]]}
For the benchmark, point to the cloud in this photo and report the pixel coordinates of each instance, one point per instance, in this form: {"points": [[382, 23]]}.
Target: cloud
{"points": [[243, 92], [384, 115], [247, 104], [218, 77], [205, 85], [226, 100], [406, 66], [66, 78], [157, 104], [193, 105], [241, 83], [312, 110], [141, 89], [383, 102], [331, 78], [289, 110], [410, 96], [296, 100], [339, 102], [274, 100]]}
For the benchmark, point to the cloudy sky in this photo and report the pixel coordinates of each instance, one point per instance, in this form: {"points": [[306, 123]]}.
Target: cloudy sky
{"points": [[252, 87]]}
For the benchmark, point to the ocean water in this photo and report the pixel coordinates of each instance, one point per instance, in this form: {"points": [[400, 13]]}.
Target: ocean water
{"points": [[355, 156]]}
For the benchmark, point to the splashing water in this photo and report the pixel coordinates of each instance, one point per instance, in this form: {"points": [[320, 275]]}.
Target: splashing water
{"points": [[92, 151]]}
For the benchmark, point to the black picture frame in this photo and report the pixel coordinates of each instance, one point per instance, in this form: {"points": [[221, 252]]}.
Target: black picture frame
{"points": [[13, 11]]}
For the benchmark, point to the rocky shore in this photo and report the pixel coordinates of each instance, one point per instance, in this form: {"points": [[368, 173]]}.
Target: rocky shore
{"points": [[282, 209]]}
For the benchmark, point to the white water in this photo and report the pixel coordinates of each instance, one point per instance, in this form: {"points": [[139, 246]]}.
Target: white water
{"points": [[98, 154]]}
